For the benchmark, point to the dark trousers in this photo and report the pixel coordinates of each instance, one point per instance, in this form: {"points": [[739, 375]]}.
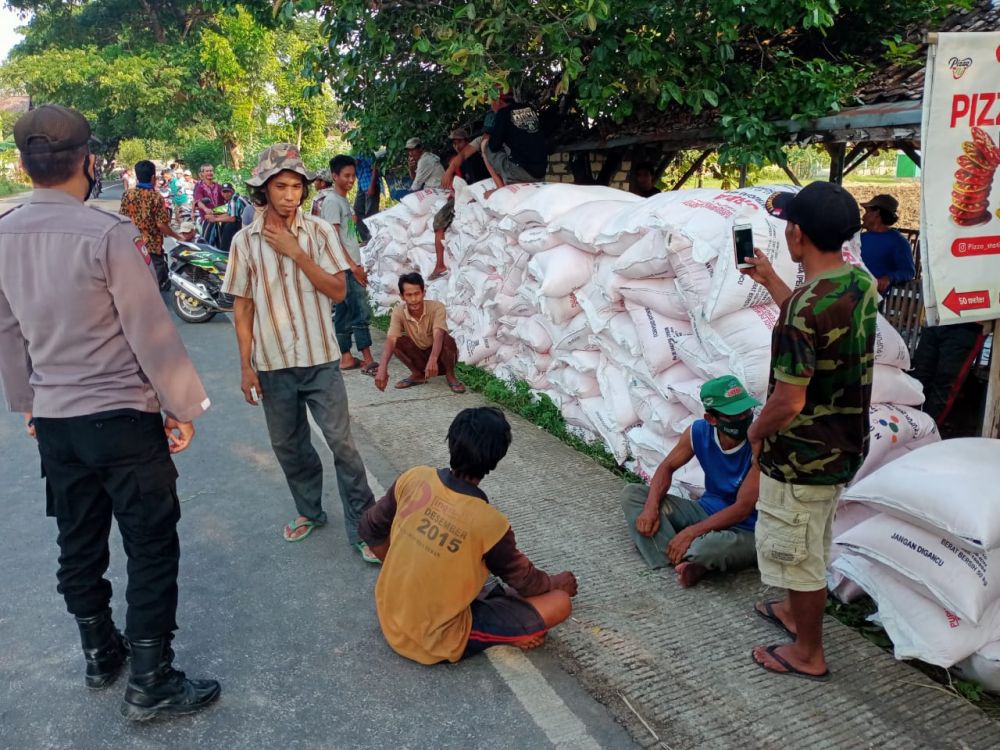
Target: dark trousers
{"points": [[416, 358], [114, 463], [286, 395], [940, 354], [350, 317], [159, 262], [364, 206]]}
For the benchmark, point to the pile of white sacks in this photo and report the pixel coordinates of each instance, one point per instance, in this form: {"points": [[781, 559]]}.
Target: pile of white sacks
{"points": [[921, 536], [618, 309]]}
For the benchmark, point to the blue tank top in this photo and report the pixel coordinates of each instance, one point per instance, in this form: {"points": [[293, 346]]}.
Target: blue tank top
{"points": [[724, 471]]}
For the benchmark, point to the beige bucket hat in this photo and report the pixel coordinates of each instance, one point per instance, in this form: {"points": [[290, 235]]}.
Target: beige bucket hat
{"points": [[278, 158]]}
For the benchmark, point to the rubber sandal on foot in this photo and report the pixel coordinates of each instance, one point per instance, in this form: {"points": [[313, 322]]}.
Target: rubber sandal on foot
{"points": [[293, 527], [409, 383], [366, 554]]}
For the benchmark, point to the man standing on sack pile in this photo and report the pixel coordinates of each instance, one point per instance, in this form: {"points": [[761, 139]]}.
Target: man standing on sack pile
{"points": [[716, 532], [285, 270], [812, 434], [91, 364], [468, 162]]}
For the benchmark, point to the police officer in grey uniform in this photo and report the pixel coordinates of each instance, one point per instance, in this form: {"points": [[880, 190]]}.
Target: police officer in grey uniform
{"points": [[92, 360]]}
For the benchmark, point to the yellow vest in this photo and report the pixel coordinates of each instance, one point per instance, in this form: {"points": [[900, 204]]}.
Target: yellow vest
{"points": [[434, 568]]}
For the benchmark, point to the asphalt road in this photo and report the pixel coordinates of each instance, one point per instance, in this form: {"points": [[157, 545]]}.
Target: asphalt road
{"points": [[289, 629]]}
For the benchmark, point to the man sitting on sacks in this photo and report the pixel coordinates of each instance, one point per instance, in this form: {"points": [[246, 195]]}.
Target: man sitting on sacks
{"points": [[716, 532], [418, 335]]}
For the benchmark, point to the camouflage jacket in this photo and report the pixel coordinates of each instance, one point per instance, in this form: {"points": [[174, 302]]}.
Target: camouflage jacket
{"points": [[824, 341]]}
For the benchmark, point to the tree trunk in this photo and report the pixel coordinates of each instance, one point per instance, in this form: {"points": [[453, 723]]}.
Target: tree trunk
{"points": [[154, 22], [234, 154]]}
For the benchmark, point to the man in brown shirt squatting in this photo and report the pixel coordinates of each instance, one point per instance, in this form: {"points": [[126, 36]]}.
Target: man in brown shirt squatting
{"points": [[418, 335], [439, 538]]}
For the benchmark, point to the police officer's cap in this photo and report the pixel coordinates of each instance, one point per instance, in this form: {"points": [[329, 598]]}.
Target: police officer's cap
{"points": [[51, 128]]}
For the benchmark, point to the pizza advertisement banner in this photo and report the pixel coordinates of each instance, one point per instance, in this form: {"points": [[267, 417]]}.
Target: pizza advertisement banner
{"points": [[960, 210]]}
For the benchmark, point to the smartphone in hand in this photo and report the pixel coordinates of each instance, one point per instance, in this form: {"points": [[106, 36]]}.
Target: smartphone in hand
{"points": [[743, 244]]}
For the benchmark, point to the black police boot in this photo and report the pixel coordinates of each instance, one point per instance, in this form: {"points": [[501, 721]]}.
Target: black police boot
{"points": [[104, 648], [155, 688]]}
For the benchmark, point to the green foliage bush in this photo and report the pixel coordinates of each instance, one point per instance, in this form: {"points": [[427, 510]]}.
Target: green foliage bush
{"points": [[202, 151]]}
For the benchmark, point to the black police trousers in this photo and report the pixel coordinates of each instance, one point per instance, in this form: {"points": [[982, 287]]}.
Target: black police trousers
{"points": [[114, 463]]}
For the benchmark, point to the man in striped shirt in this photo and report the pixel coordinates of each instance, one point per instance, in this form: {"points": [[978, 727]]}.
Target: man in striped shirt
{"points": [[285, 270]]}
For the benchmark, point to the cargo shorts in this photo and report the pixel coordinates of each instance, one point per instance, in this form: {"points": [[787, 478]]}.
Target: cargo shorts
{"points": [[794, 532]]}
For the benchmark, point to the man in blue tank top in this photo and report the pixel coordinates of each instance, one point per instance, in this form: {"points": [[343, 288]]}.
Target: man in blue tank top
{"points": [[715, 532]]}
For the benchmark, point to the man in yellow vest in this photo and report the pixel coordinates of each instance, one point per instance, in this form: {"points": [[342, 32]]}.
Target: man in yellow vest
{"points": [[439, 539]]}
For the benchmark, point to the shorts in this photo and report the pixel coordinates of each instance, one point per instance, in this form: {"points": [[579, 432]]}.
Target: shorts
{"points": [[499, 618], [794, 533], [445, 216]]}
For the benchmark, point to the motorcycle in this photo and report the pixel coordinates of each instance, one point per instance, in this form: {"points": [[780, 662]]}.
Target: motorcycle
{"points": [[196, 274]]}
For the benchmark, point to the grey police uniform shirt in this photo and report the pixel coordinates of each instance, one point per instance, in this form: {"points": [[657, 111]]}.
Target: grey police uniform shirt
{"points": [[83, 328], [337, 211]]}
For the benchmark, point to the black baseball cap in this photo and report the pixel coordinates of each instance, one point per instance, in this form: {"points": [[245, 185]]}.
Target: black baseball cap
{"points": [[826, 212], [228, 186], [51, 128]]}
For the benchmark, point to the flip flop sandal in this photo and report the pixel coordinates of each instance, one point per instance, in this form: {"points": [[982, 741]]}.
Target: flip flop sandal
{"points": [[438, 275], [788, 668], [456, 387], [355, 366], [409, 383], [293, 527], [366, 554], [768, 614], [370, 369]]}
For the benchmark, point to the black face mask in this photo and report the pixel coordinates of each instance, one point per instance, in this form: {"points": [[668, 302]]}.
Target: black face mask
{"points": [[736, 429], [91, 181]]}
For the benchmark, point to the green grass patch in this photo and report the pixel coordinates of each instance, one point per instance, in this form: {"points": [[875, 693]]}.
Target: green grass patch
{"points": [[538, 409]]}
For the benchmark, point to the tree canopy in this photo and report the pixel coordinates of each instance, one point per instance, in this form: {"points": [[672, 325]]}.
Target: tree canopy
{"points": [[404, 67], [176, 71]]}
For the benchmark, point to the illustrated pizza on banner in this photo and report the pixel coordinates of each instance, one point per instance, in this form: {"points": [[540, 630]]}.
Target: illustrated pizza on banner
{"points": [[960, 212]]}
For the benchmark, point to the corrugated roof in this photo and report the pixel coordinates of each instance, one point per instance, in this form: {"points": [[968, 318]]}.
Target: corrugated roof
{"points": [[906, 82]]}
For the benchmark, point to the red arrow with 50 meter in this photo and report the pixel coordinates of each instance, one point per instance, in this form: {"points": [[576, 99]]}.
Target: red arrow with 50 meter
{"points": [[958, 302]]}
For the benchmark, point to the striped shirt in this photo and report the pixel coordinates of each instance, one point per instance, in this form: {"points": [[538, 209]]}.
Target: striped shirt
{"points": [[292, 324]]}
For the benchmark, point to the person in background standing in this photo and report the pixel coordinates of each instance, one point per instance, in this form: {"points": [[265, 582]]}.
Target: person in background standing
{"points": [[366, 200], [351, 316], [145, 207], [323, 185], [886, 253], [92, 365]]}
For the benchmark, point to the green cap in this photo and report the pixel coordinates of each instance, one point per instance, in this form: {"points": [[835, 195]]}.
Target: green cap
{"points": [[727, 395]]}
